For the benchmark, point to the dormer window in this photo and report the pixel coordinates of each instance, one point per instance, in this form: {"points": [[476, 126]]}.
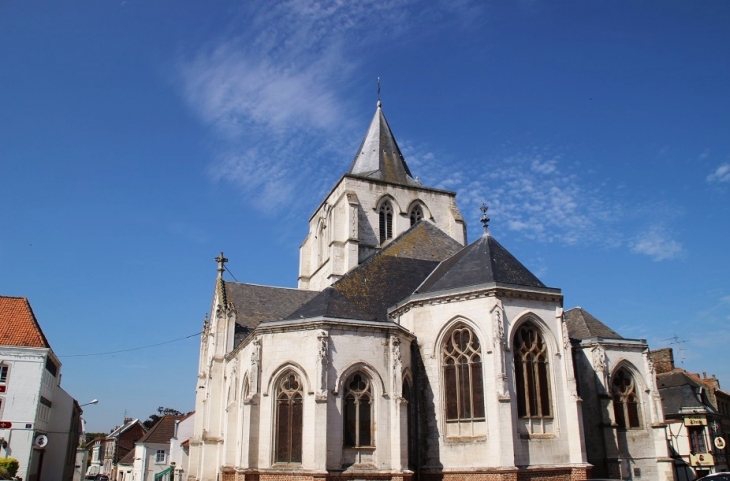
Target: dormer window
{"points": [[416, 214], [386, 221]]}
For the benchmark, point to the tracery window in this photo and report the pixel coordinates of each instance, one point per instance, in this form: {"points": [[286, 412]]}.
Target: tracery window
{"points": [[531, 373], [385, 214], [416, 214], [358, 411], [463, 380], [289, 419], [625, 400]]}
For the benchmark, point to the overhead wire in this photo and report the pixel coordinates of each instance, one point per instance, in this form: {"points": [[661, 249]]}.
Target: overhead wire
{"points": [[133, 348]]}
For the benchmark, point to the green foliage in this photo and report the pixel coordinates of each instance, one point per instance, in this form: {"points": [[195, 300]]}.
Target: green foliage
{"points": [[162, 411], [90, 436], [9, 466]]}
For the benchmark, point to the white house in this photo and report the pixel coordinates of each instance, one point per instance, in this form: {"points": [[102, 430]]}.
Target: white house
{"points": [[152, 452], [180, 446], [39, 422]]}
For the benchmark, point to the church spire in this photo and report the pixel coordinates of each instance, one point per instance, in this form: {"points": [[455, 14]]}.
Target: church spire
{"points": [[379, 156]]}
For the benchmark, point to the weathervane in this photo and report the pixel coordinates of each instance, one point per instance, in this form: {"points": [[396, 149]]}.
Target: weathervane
{"points": [[484, 220], [378, 89]]}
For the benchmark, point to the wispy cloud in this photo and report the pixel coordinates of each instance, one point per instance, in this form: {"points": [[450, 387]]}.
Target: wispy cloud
{"points": [[721, 174], [275, 92], [530, 192], [657, 243], [704, 155]]}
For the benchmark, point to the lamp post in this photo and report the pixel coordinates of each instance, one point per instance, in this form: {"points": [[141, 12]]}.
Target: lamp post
{"points": [[93, 401]]}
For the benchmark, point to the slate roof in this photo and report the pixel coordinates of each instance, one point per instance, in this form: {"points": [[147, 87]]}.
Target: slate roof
{"points": [[118, 431], [484, 261], [679, 389], [255, 303], [379, 156], [582, 325], [18, 325], [161, 432], [677, 397], [384, 279]]}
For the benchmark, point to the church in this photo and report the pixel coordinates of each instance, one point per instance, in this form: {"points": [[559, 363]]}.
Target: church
{"points": [[407, 353]]}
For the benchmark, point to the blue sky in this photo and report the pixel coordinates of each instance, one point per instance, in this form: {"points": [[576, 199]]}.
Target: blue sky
{"points": [[139, 139]]}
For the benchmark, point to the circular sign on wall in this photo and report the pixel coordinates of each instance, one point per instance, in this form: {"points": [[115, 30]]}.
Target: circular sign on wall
{"points": [[41, 440], [720, 442]]}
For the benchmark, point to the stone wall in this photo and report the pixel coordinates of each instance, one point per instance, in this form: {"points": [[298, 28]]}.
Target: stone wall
{"points": [[663, 360]]}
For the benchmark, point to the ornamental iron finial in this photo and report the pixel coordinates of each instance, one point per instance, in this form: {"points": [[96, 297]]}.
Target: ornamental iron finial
{"points": [[484, 220], [221, 265]]}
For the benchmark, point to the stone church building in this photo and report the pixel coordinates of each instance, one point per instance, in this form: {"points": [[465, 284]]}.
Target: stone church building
{"points": [[406, 353]]}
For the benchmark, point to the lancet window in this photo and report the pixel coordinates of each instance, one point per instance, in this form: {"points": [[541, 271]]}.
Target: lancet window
{"points": [[416, 214], [625, 400], [289, 418], [385, 214], [463, 381], [532, 381], [358, 411]]}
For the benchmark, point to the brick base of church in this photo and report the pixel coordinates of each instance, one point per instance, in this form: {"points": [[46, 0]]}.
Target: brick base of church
{"points": [[542, 474]]}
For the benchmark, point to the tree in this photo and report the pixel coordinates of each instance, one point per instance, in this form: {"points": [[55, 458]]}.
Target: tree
{"points": [[161, 411], [90, 436]]}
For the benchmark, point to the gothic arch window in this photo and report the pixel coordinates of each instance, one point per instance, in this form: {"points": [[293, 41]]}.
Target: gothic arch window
{"points": [[358, 411], [625, 400], [463, 381], [532, 382], [416, 214], [385, 216], [289, 419]]}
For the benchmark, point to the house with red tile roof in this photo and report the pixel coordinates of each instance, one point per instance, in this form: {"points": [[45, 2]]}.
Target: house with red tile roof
{"points": [[40, 423]]}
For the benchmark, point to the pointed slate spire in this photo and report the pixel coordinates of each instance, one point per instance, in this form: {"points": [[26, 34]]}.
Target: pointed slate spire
{"points": [[379, 156]]}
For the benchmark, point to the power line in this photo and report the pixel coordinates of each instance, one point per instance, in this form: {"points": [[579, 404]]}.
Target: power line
{"points": [[133, 348]]}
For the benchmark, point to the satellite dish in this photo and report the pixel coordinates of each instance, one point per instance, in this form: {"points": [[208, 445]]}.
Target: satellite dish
{"points": [[41, 441]]}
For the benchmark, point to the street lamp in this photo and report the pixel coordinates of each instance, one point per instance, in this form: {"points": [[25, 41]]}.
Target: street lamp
{"points": [[93, 401]]}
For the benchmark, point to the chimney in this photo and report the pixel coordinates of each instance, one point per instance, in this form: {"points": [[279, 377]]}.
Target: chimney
{"points": [[663, 360]]}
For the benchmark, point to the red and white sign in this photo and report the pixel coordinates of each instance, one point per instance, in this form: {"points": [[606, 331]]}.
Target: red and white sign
{"points": [[6, 425]]}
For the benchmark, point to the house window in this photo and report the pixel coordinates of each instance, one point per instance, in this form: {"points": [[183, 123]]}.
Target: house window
{"points": [[358, 412], [3, 373], [386, 221], [697, 439], [463, 381], [289, 420], [625, 401], [160, 457], [531, 373], [416, 214], [51, 367]]}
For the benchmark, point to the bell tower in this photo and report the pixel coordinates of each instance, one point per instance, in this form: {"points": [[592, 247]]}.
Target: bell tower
{"points": [[374, 202]]}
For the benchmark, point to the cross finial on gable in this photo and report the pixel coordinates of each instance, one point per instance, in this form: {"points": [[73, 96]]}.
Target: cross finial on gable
{"points": [[484, 220], [221, 265]]}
